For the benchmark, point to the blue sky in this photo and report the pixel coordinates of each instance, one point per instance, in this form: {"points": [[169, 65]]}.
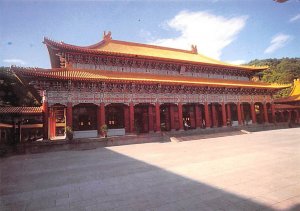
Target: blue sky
{"points": [[235, 31]]}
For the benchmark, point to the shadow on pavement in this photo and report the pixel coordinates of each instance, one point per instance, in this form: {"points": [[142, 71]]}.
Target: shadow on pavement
{"points": [[102, 179]]}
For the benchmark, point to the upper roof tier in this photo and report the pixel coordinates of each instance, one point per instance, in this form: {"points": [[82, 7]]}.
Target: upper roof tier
{"points": [[110, 46]]}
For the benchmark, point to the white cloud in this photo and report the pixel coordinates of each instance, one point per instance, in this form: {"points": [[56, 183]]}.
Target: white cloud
{"points": [[295, 18], [278, 41], [146, 35], [14, 61], [211, 33], [237, 62]]}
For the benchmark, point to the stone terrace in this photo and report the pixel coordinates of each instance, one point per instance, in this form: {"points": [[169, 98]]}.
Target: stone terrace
{"points": [[256, 171]]}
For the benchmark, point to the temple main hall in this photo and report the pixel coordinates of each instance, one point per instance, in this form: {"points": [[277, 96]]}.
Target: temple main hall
{"points": [[141, 88]]}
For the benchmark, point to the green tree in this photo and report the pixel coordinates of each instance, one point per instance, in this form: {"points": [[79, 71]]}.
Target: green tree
{"points": [[13, 92], [281, 71]]}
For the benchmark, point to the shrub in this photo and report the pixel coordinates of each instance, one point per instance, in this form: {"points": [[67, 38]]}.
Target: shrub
{"points": [[69, 133], [104, 130]]}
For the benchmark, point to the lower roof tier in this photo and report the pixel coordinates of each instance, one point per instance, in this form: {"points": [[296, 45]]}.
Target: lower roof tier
{"points": [[144, 78], [294, 96], [20, 110]]}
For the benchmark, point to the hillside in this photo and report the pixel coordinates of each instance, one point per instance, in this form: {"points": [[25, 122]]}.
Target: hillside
{"points": [[281, 71]]}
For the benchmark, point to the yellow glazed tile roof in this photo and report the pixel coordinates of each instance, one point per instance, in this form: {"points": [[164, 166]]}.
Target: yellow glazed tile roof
{"points": [[162, 52], [296, 89], [294, 95], [99, 75], [152, 51]]}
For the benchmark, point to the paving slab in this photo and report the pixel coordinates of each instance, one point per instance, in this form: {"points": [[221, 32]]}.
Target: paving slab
{"points": [[253, 171]]}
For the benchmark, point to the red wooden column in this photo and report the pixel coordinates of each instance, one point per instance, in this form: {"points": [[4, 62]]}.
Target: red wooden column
{"points": [[207, 116], [242, 113], [198, 116], [126, 119], [131, 117], [52, 123], [157, 117], [150, 119], [45, 120], [180, 116], [102, 114], [172, 117], [253, 113], [239, 113], [265, 113], [69, 115], [224, 115], [214, 115], [228, 111]]}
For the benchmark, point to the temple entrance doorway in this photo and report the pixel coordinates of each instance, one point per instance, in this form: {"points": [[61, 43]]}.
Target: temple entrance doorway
{"points": [[233, 114], [188, 115], [165, 117], [259, 113], [141, 118], [246, 113], [114, 119], [57, 122], [169, 117], [85, 120]]}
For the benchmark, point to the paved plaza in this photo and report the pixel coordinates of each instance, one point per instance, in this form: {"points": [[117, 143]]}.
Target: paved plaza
{"points": [[256, 171]]}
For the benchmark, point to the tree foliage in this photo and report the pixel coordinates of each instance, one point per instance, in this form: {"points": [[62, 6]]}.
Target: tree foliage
{"points": [[13, 92], [282, 71]]}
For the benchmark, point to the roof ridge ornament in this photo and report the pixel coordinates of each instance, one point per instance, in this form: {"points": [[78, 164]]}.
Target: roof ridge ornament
{"points": [[194, 49], [107, 36]]}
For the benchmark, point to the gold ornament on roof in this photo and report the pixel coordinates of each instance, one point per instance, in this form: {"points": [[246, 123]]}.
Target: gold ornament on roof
{"points": [[107, 36], [194, 49]]}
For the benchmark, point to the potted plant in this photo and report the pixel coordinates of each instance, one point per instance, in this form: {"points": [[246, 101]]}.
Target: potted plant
{"points": [[69, 133], [104, 130]]}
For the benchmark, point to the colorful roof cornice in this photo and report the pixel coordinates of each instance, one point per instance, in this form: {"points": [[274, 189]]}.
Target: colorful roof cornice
{"points": [[126, 77]]}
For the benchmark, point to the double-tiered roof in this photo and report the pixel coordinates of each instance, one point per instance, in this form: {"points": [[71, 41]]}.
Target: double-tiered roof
{"points": [[110, 47]]}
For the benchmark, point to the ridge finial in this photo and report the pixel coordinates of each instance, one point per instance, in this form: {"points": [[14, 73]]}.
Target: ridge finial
{"points": [[194, 49], [107, 36]]}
